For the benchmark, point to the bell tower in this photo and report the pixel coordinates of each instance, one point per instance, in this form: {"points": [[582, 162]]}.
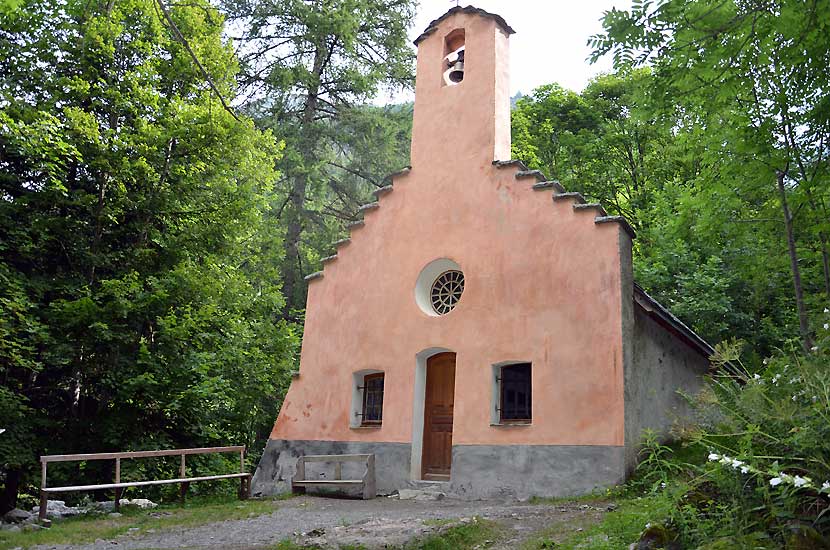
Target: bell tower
{"points": [[462, 91]]}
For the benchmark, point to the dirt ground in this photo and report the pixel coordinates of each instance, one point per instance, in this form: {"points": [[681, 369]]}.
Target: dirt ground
{"points": [[380, 523]]}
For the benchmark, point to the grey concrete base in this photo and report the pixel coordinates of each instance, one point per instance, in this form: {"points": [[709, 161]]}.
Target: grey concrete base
{"points": [[478, 471], [279, 463], [524, 471]]}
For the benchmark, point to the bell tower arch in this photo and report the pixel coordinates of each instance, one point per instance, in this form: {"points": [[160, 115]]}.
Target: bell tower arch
{"points": [[462, 91]]}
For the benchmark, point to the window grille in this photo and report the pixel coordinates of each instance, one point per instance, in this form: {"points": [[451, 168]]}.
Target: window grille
{"points": [[515, 393], [372, 414]]}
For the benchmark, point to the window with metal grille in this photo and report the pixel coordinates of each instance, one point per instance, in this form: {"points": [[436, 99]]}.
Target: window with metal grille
{"points": [[515, 393], [372, 399]]}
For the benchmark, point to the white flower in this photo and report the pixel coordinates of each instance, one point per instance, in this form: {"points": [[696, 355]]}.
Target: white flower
{"points": [[826, 326], [736, 463], [799, 481], [795, 397], [825, 486], [663, 485], [775, 481], [714, 456], [756, 376], [814, 348], [766, 361], [826, 310], [744, 469], [776, 378]]}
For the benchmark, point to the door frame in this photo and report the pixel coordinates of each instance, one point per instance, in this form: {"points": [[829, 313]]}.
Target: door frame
{"points": [[418, 404]]}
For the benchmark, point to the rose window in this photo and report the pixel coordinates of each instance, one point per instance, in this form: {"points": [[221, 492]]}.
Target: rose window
{"points": [[446, 291]]}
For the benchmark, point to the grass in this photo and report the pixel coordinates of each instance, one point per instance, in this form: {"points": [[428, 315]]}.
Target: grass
{"points": [[460, 537], [197, 511], [617, 529]]}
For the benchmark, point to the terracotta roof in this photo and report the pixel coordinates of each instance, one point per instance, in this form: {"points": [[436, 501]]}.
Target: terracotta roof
{"points": [[433, 26]]}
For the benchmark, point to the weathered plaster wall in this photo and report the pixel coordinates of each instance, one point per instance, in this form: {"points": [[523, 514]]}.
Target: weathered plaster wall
{"points": [[663, 364], [524, 471], [537, 274], [543, 285]]}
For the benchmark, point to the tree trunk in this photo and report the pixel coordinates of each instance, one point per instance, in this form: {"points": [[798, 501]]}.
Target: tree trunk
{"points": [[825, 262], [293, 274], [803, 322]]}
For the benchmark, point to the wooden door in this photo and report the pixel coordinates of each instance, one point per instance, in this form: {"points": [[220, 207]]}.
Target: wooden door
{"points": [[438, 408]]}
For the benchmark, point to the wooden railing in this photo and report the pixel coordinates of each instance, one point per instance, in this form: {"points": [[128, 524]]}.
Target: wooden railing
{"points": [[119, 486]]}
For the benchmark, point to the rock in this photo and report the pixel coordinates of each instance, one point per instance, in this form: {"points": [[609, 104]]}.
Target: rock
{"points": [[57, 509], [10, 528], [109, 505], [115, 514], [804, 537], [32, 527], [17, 516], [657, 536], [428, 495], [416, 494], [611, 507], [142, 503]]}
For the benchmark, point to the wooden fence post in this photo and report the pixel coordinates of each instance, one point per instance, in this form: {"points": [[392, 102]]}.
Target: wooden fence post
{"points": [[44, 502], [243, 484], [118, 490], [185, 484]]}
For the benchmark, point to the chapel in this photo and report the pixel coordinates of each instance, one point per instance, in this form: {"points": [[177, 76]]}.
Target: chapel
{"points": [[480, 329]]}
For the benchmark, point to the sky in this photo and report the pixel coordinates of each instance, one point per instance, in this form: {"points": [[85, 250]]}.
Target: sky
{"points": [[550, 40]]}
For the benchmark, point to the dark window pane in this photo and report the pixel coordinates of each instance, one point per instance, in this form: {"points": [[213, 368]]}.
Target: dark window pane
{"points": [[373, 398], [516, 392]]}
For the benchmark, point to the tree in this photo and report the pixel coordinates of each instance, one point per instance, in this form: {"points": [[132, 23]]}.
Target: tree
{"points": [[140, 292], [306, 64], [753, 73]]}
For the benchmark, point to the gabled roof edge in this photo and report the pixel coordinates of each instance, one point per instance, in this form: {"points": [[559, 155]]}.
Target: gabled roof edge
{"points": [[666, 318], [433, 26]]}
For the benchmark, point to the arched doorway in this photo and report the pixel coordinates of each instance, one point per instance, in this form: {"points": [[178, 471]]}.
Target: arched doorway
{"points": [[438, 416]]}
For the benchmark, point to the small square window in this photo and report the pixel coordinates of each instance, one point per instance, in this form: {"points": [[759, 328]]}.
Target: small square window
{"points": [[515, 393], [372, 414]]}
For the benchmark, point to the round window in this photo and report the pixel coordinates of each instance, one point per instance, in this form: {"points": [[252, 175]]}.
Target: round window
{"points": [[446, 291]]}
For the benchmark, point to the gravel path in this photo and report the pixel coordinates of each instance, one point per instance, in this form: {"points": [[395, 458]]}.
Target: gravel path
{"points": [[378, 523]]}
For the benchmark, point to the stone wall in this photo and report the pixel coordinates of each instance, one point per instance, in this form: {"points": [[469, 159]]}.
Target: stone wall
{"points": [[662, 366], [478, 471]]}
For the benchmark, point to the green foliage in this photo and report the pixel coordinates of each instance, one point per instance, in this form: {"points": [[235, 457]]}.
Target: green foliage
{"points": [[621, 527], [751, 76], [459, 537], [138, 267], [306, 68], [657, 466], [766, 483], [770, 439]]}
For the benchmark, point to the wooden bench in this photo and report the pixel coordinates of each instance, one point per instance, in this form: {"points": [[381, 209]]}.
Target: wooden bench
{"points": [[366, 484], [119, 486]]}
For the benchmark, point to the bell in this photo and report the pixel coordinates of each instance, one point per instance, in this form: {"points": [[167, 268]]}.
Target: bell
{"points": [[457, 73]]}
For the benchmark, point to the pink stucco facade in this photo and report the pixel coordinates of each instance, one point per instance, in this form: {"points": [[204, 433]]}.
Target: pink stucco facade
{"points": [[537, 273], [545, 283]]}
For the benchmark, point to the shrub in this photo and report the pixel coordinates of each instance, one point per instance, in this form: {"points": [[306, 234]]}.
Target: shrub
{"points": [[767, 435]]}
